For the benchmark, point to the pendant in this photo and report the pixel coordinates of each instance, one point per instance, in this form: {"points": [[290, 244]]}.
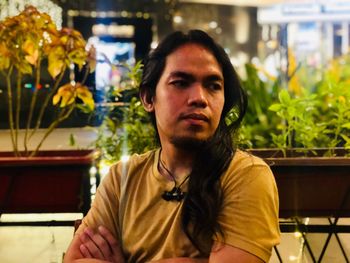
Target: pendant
{"points": [[174, 195]]}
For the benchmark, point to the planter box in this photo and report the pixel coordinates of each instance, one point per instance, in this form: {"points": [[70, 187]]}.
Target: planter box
{"points": [[310, 186], [52, 182]]}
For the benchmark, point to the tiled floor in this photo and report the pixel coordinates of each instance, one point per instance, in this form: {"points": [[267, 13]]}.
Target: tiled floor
{"points": [[39, 244], [34, 244]]}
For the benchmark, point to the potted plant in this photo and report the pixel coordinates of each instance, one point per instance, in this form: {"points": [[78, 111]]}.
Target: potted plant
{"points": [[126, 127], [32, 180], [309, 145]]}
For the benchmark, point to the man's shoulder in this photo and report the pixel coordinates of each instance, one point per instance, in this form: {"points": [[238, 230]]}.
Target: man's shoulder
{"points": [[130, 166], [245, 159], [135, 161], [246, 169], [136, 158]]}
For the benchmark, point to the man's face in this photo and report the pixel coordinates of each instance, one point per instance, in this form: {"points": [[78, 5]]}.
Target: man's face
{"points": [[189, 96]]}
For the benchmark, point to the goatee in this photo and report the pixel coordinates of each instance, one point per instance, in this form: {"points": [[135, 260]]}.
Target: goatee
{"points": [[188, 144]]}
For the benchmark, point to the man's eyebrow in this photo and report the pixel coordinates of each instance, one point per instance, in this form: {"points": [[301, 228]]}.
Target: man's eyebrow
{"points": [[181, 74], [185, 75], [214, 77]]}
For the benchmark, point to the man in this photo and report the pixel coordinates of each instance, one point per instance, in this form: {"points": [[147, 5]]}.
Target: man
{"points": [[197, 198]]}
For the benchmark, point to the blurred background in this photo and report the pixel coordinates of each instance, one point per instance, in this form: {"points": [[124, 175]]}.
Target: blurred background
{"points": [[301, 46]]}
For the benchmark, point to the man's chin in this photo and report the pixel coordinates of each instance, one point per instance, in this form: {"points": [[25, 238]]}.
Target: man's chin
{"points": [[188, 143]]}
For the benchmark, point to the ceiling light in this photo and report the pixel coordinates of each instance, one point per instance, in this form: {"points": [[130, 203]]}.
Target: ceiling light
{"points": [[213, 24], [177, 19]]}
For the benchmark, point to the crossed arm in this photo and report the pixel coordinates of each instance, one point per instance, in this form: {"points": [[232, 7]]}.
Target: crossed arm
{"points": [[101, 246]]}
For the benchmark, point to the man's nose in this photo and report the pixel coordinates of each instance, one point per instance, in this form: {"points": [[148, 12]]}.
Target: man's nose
{"points": [[197, 95]]}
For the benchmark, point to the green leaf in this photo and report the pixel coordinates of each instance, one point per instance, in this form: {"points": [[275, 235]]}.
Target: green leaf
{"points": [[292, 111], [72, 141], [346, 125], [346, 138], [275, 107], [284, 97]]}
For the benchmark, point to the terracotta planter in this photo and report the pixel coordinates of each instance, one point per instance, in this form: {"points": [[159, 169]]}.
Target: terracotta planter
{"points": [[52, 182], [310, 186]]}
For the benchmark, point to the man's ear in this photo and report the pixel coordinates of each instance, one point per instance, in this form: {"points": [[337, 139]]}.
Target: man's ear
{"points": [[147, 101]]}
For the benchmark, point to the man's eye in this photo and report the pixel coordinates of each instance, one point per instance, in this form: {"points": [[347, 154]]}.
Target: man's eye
{"points": [[179, 83], [214, 86]]}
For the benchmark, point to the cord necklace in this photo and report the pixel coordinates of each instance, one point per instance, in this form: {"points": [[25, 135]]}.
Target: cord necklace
{"points": [[176, 193]]}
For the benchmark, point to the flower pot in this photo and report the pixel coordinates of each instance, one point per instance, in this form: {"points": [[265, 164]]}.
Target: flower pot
{"points": [[310, 186], [51, 182]]}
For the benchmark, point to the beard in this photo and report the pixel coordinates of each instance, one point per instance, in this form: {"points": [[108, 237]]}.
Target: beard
{"points": [[188, 143]]}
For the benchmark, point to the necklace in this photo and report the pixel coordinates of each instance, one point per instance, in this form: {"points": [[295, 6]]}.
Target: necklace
{"points": [[176, 193]]}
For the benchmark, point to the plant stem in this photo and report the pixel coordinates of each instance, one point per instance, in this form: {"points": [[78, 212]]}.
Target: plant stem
{"points": [[86, 74], [62, 117], [340, 121], [32, 106], [18, 105], [46, 102], [10, 110]]}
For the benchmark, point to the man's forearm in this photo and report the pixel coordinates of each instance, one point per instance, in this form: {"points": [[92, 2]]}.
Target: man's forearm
{"points": [[88, 260], [182, 260]]}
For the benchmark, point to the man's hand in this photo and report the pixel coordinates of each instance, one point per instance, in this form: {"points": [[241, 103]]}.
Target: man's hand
{"points": [[100, 244]]}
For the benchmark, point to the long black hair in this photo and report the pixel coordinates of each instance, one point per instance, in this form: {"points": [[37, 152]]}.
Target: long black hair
{"points": [[204, 199]]}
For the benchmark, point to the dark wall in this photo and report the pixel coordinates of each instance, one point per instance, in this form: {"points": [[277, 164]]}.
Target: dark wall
{"points": [[142, 37]]}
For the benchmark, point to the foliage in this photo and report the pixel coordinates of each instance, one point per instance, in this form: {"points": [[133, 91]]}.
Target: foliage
{"points": [[315, 115], [29, 42], [258, 122], [126, 128], [334, 106], [307, 114], [298, 127]]}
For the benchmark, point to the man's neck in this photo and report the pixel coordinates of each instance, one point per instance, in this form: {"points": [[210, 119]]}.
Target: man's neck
{"points": [[177, 161]]}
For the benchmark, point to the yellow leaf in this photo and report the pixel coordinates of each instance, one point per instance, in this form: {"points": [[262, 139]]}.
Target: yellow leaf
{"points": [[64, 101], [24, 68], [28, 46], [56, 61], [64, 39], [83, 92], [85, 95], [90, 103], [78, 56], [56, 99], [33, 58], [91, 58], [67, 94]]}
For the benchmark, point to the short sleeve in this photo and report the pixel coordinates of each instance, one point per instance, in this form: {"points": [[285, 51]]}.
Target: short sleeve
{"points": [[249, 217], [105, 206]]}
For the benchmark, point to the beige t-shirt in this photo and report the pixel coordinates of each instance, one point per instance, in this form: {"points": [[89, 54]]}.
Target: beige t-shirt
{"points": [[129, 203]]}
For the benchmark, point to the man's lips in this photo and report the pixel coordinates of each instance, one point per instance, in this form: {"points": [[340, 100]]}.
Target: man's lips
{"points": [[195, 116]]}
